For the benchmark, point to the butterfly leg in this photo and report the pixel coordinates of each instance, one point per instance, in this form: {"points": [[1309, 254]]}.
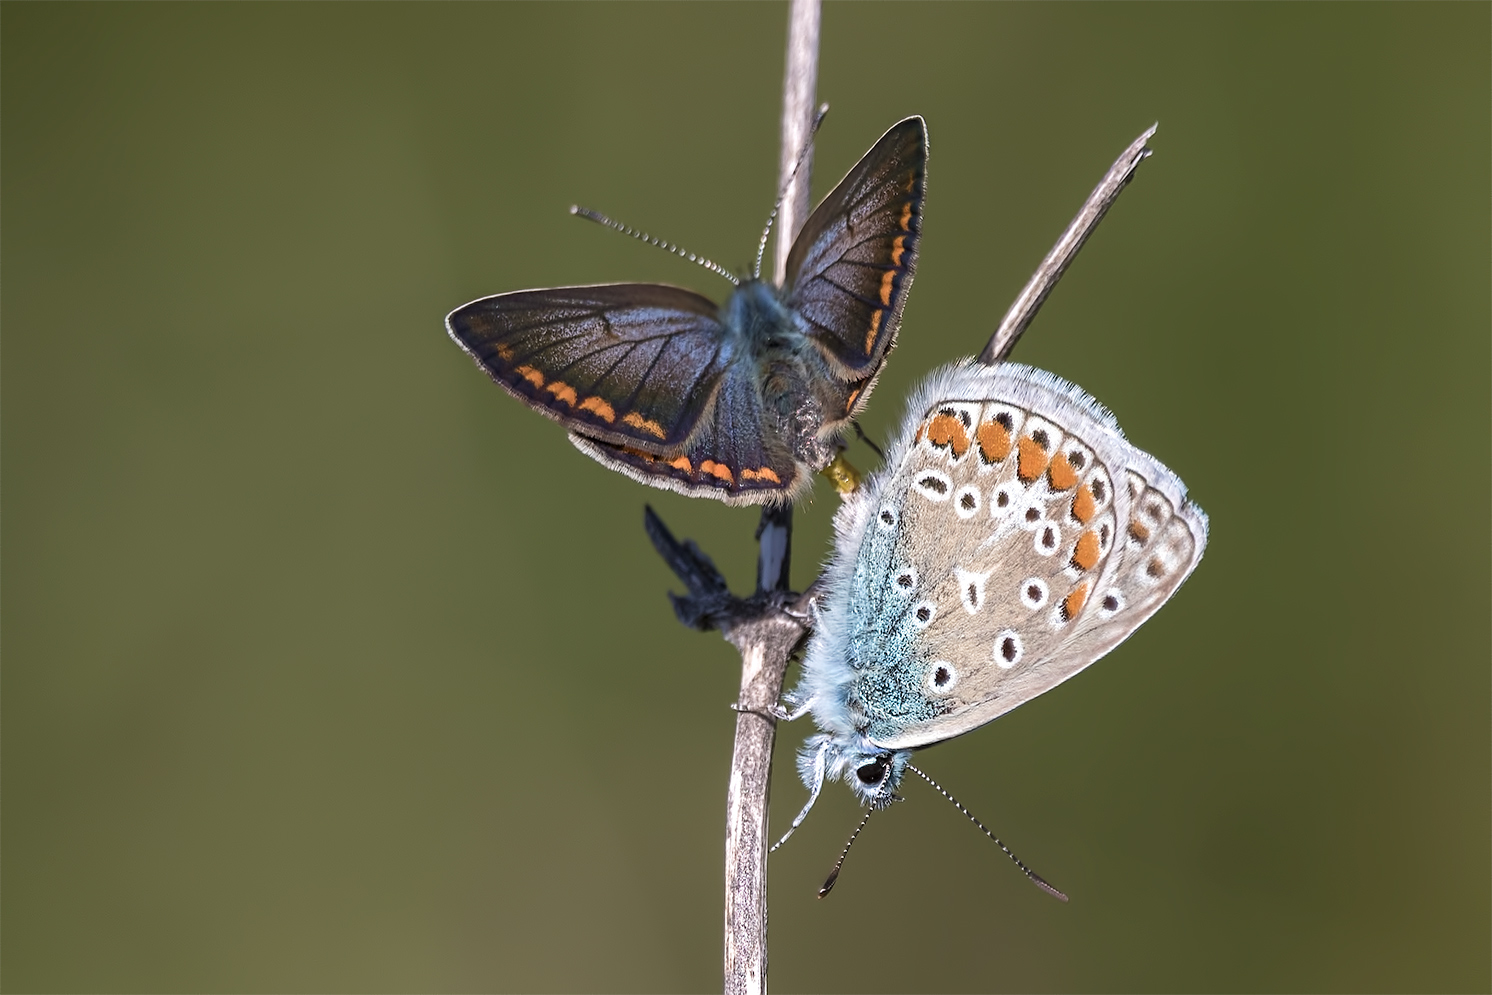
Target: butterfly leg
{"points": [[774, 714], [812, 769]]}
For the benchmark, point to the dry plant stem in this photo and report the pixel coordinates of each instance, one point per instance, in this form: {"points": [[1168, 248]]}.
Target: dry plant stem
{"points": [[766, 629], [799, 83], [766, 639], [1024, 309]]}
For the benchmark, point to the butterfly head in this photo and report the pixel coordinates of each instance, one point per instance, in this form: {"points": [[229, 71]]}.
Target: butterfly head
{"points": [[872, 772]]}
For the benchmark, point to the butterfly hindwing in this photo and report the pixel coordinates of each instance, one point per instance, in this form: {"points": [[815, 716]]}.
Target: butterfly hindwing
{"points": [[1035, 539], [728, 457], [851, 267], [628, 364]]}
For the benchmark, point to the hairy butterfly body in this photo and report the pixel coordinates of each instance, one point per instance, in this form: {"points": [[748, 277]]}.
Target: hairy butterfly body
{"points": [[1013, 538], [742, 401]]}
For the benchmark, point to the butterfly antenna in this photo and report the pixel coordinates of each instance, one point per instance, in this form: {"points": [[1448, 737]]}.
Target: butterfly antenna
{"points": [[834, 874], [641, 236], [1036, 879], [761, 247]]}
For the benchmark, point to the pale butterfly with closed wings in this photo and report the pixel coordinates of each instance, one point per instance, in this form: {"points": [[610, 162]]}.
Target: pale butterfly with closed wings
{"points": [[1013, 537]]}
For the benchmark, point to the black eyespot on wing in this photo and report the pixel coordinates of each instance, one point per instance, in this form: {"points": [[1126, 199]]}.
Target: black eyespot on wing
{"points": [[631, 364], [850, 269]]}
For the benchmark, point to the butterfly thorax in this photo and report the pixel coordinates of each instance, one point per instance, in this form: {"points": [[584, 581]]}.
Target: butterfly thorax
{"points": [[799, 391]]}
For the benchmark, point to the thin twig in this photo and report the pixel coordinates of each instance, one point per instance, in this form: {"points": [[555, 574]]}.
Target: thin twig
{"points": [[1024, 309], [759, 627], [799, 82]]}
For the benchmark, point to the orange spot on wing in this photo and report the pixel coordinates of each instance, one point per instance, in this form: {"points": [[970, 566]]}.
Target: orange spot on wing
{"points": [[1140, 532], [1085, 553], [1032, 459], [897, 248], [875, 327], [906, 216], [921, 432], [946, 430], [850, 404], [562, 392], [888, 278], [637, 421], [1061, 473], [765, 473], [504, 352], [532, 375], [1083, 505], [1073, 603], [649, 457], [994, 441], [600, 408], [719, 470], [682, 463]]}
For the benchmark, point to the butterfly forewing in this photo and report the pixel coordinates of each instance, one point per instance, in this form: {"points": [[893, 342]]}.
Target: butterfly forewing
{"points": [[851, 267], [1035, 538], [629, 364]]}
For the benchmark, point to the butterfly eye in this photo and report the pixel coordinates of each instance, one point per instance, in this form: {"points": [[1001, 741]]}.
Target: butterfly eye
{"points": [[872, 773]]}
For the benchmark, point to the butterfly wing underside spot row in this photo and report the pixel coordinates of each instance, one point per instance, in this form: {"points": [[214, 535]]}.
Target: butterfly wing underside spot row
{"points": [[1018, 538]]}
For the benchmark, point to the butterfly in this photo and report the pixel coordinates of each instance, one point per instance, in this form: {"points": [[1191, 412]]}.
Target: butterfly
{"points": [[743, 401], [1013, 538]]}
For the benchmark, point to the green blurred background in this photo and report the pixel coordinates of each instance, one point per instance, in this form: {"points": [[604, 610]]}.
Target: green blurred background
{"points": [[328, 666]]}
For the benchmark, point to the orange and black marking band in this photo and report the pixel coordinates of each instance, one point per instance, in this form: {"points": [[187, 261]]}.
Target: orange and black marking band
{"points": [[946, 430], [1033, 459]]}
